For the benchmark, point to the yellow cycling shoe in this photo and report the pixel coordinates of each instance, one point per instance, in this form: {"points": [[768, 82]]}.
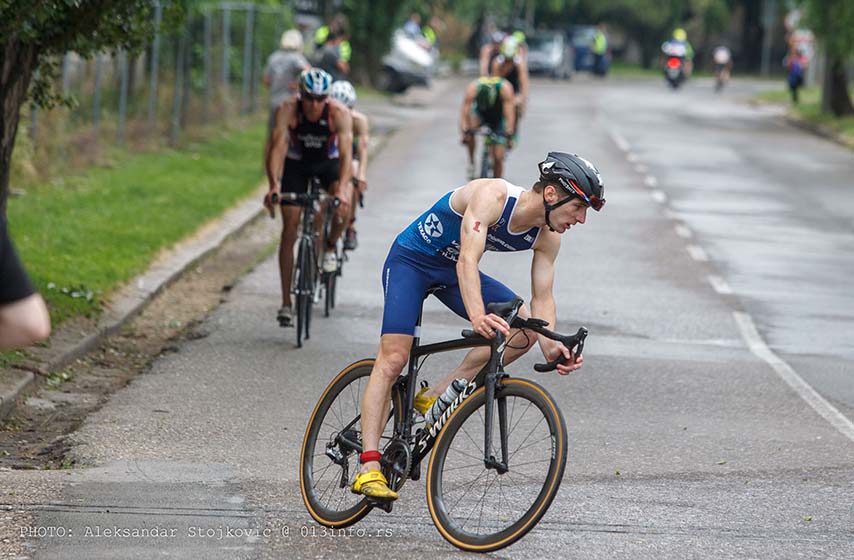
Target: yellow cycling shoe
{"points": [[373, 484], [421, 403]]}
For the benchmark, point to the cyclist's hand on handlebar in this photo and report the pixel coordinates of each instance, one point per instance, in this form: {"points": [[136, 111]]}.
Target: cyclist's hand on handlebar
{"points": [[270, 200], [488, 325], [569, 364]]}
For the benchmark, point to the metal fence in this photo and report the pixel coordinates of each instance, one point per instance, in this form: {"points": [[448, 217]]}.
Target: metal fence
{"points": [[205, 72]]}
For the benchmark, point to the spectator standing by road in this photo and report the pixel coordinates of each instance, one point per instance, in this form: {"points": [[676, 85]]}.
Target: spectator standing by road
{"points": [[329, 58], [282, 72], [796, 63], [24, 319], [600, 50]]}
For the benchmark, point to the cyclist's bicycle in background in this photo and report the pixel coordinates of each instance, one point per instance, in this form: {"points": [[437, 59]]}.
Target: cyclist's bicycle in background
{"points": [[490, 138], [309, 282], [498, 450]]}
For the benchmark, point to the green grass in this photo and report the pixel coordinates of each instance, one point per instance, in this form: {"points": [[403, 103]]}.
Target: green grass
{"points": [[84, 236], [809, 110]]}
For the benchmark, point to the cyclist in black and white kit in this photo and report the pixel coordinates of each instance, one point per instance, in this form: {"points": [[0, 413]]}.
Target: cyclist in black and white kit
{"points": [[313, 136]]}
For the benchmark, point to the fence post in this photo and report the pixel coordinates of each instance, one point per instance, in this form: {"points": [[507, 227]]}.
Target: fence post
{"points": [[155, 50], [206, 106], [248, 36], [96, 102], [226, 46], [179, 89], [66, 88], [123, 95]]}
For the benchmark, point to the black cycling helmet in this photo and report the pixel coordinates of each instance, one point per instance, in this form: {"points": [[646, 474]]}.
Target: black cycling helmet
{"points": [[576, 176]]}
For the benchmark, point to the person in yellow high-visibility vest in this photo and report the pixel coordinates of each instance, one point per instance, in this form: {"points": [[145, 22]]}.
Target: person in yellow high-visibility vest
{"points": [[338, 25], [599, 50]]}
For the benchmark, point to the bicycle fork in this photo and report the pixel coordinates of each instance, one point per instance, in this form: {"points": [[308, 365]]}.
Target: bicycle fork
{"points": [[492, 384]]}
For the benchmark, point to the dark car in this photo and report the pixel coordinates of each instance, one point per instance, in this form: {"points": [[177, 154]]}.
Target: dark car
{"points": [[549, 54]]}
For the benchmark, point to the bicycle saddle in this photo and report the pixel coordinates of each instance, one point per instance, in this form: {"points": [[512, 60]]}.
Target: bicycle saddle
{"points": [[506, 308]]}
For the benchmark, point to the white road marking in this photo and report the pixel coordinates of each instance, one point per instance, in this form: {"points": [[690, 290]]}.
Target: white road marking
{"points": [[697, 253], [791, 377], [683, 231], [641, 168], [659, 196], [632, 157], [650, 181], [621, 142], [720, 285]]}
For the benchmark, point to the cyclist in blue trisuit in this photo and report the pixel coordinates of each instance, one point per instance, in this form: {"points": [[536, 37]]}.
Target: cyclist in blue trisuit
{"points": [[442, 248]]}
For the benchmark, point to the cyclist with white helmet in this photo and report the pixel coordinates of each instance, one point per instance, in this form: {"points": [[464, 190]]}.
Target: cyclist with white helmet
{"points": [[312, 137], [512, 65], [344, 92], [440, 252]]}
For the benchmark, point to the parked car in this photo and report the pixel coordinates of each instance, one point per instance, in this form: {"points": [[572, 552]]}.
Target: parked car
{"points": [[408, 64], [581, 37], [549, 54]]}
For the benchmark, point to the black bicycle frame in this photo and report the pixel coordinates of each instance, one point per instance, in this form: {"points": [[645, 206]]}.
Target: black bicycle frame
{"points": [[489, 375]]}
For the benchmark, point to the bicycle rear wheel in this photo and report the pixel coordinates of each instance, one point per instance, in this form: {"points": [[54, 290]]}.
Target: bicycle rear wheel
{"points": [[485, 162], [329, 461], [478, 509]]}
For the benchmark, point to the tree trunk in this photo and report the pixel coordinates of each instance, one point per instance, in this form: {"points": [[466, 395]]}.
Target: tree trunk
{"points": [[840, 99], [16, 69]]}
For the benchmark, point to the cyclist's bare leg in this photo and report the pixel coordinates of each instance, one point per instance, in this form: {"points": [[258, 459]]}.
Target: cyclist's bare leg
{"points": [[472, 123], [290, 224], [342, 213], [392, 357], [497, 151]]}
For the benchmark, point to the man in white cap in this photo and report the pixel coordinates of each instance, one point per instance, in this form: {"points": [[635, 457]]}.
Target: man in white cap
{"points": [[282, 72]]}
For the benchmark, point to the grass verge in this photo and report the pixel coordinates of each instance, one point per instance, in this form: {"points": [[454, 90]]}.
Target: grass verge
{"points": [[85, 235], [809, 110]]}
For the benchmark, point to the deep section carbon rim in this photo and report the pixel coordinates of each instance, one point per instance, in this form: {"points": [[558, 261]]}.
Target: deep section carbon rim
{"points": [[330, 463], [477, 508]]}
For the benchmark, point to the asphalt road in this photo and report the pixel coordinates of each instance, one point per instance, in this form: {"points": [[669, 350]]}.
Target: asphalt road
{"points": [[686, 439]]}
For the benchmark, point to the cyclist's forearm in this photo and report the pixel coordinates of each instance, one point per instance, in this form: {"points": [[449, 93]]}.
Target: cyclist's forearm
{"points": [[544, 308], [469, 277], [363, 145], [275, 165]]}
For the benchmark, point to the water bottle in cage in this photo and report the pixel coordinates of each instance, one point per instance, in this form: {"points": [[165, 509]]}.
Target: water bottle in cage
{"points": [[444, 401]]}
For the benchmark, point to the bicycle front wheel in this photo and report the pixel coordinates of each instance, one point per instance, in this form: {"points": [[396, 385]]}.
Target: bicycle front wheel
{"points": [[477, 509], [305, 289], [330, 451]]}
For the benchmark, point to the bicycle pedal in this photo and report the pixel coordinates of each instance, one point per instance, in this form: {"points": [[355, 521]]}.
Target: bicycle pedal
{"points": [[384, 505]]}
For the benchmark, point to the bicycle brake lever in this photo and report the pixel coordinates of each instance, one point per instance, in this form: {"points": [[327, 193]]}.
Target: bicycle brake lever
{"points": [[574, 343]]}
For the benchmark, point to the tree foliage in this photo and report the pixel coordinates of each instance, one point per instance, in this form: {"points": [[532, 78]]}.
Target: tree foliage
{"points": [[33, 35], [832, 21]]}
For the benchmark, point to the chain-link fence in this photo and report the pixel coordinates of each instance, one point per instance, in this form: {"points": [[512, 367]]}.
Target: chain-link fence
{"points": [[206, 71]]}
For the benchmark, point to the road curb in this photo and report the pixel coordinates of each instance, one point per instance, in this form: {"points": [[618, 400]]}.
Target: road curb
{"points": [[133, 298], [13, 382], [818, 130]]}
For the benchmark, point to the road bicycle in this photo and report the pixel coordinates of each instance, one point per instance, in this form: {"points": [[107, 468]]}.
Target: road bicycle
{"points": [[309, 281], [498, 451], [487, 166]]}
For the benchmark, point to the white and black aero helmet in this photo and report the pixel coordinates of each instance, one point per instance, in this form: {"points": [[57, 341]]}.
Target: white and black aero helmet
{"points": [[315, 81], [343, 91], [576, 176]]}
